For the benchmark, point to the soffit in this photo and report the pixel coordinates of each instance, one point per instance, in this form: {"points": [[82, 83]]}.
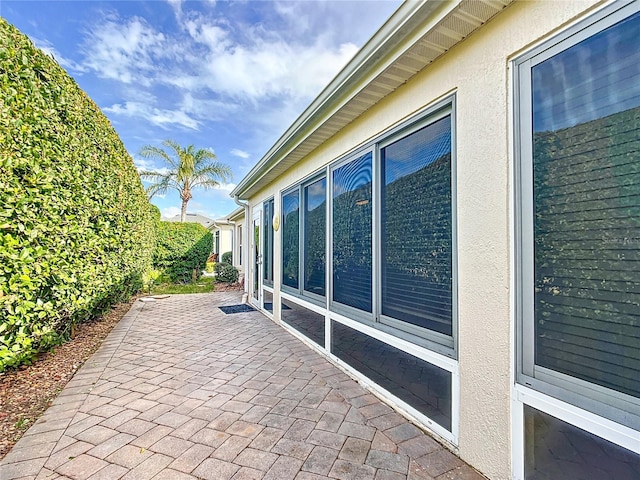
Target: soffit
{"points": [[417, 42]]}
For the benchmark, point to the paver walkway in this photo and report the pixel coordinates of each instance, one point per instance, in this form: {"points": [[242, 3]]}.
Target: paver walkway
{"points": [[179, 390]]}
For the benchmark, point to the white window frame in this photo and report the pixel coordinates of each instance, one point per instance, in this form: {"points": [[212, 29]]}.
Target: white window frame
{"points": [[595, 409]]}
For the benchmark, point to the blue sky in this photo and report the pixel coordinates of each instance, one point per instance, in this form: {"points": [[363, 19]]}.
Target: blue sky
{"points": [[226, 75]]}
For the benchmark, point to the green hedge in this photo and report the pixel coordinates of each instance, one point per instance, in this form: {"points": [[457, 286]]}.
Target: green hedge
{"points": [[182, 248], [76, 228]]}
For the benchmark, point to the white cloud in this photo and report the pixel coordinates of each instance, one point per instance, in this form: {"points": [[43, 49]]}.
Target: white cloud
{"points": [[258, 64], [160, 117], [147, 164], [48, 48], [205, 108], [126, 51], [235, 63], [239, 153], [177, 8], [169, 212], [226, 187]]}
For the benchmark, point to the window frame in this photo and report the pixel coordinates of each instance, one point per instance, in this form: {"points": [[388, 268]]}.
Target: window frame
{"points": [[613, 405], [284, 193], [436, 342], [348, 310], [320, 299], [441, 343], [239, 235], [299, 188]]}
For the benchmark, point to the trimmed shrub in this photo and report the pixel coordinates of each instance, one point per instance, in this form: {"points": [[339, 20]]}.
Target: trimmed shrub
{"points": [[182, 248], [226, 272], [227, 257], [76, 227]]}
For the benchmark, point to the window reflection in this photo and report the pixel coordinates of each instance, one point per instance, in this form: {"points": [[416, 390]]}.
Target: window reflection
{"points": [[352, 233], [556, 449], [309, 323], [268, 242], [290, 238], [315, 235], [586, 146], [416, 228]]}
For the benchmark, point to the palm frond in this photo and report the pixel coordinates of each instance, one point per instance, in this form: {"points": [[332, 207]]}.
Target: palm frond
{"points": [[188, 168]]}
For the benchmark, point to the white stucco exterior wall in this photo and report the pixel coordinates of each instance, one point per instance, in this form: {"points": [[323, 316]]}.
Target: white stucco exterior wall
{"points": [[478, 72]]}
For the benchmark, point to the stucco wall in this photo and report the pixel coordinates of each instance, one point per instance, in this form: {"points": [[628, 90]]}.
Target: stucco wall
{"points": [[477, 70]]}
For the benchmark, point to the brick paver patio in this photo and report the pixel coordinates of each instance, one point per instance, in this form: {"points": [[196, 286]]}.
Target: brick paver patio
{"points": [[179, 390]]}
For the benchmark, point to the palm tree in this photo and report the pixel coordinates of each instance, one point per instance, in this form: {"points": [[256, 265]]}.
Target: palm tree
{"points": [[188, 169]]}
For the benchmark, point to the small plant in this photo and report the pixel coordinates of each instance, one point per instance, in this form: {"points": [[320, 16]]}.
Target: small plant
{"points": [[22, 423], [149, 278], [209, 267], [226, 273], [227, 257]]}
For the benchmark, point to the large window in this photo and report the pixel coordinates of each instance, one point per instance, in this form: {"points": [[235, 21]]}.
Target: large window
{"points": [[308, 257], [290, 238], [382, 220], [579, 277], [352, 241], [416, 226], [391, 235], [315, 217]]}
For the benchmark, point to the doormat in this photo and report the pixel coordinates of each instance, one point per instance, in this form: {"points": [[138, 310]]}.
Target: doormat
{"points": [[242, 308]]}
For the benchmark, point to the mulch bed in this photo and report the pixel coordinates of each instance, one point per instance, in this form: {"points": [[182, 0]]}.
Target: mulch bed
{"points": [[229, 287], [27, 392]]}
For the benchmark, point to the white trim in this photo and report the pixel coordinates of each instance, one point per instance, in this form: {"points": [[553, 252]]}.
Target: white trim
{"points": [[270, 315], [517, 437], [602, 427], [256, 214], [303, 303], [444, 362]]}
